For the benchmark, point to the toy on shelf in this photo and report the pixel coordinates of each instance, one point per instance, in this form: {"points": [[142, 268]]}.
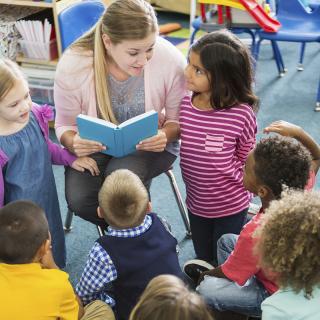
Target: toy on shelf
{"points": [[255, 10]]}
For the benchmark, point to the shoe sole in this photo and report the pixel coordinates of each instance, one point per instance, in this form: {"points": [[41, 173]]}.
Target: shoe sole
{"points": [[199, 262]]}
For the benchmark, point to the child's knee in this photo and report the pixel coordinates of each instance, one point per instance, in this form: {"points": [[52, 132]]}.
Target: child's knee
{"points": [[227, 242]]}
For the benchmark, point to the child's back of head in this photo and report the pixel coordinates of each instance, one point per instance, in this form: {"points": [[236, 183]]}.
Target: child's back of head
{"points": [[23, 229], [275, 163], [166, 297], [123, 199], [289, 242]]}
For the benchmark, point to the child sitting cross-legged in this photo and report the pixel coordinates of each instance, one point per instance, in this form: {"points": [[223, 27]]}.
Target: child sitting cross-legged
{"points": [[289, 245], [136, 248], [31, 285], [238, 285]]}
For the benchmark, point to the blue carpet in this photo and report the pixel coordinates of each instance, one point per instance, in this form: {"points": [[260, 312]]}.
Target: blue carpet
{"points": [[291, 98]]}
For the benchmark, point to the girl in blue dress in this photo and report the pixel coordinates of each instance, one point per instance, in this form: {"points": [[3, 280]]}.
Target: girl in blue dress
{"points": [[27, 154]]}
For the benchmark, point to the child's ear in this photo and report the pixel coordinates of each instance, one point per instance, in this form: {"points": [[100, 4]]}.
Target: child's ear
{"points": [[100, 212], [263, 191], [149, 207]]}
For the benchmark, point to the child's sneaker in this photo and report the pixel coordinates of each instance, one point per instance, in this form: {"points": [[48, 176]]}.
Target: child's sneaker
{"points": [[194, 268]]}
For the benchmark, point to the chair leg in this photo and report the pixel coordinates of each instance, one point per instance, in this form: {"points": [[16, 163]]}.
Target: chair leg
{"points": [[317, 108], [278, 57], [101, 231], [300, 65], [67, 224], [193, 36], [179, 200]]}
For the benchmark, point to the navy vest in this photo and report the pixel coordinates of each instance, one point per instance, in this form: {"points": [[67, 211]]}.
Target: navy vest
{"points": [[138, 260]]}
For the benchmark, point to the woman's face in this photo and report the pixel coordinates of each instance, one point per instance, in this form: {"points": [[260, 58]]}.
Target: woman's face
{"points": [[130, 56]]}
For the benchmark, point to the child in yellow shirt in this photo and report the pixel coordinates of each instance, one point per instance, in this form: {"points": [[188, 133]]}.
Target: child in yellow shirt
{"points": [[31, 285]]}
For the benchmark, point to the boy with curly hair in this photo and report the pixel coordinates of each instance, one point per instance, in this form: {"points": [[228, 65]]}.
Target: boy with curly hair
{"points": [[289, 245], [238, 285]]}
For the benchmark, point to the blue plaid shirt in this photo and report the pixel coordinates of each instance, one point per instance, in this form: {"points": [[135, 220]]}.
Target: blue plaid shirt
{"points": [[100, 270]]}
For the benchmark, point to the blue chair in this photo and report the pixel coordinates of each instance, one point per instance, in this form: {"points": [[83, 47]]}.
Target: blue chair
{"points": [[298, 25], [208, 23], [78, 18]]}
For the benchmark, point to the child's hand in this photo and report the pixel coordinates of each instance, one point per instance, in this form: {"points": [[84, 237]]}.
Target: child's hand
{"points": [[47, 261], [87, 163], [284, 128], [206, 273]]}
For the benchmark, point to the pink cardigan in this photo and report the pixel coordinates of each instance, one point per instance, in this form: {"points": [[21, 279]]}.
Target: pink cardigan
{"points": [[74, 89]]}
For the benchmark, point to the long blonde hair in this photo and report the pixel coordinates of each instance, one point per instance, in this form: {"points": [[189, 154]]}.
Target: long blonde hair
{"points": [[166, 297], [9, 74], [122, 20]]}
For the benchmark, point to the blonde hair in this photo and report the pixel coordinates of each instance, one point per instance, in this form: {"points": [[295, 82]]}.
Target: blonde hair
{"points": [[123, 199], [166, 297], [289, 240], [9, 74], [122, 20]]}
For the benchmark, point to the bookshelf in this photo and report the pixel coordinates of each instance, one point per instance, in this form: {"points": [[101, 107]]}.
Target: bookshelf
{"points": [[56, 7]]}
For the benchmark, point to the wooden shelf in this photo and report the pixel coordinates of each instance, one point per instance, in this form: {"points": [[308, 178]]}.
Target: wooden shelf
{"points": [[36, 61], [27, 3]]}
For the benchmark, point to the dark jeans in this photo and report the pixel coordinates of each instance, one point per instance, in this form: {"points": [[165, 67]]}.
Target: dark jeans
{"points": [[207, 231], [82, 188]]}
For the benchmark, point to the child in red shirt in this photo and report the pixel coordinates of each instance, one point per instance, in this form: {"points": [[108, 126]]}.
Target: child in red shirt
{"points": [[238, 285]]}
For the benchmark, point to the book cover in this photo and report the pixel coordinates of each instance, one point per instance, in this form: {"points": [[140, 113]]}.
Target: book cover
{"points": [[122, 139]]}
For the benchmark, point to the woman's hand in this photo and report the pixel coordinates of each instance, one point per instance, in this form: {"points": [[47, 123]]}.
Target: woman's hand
{"points": [[88, 163], [156, 143], [283, 128], [83, 147]]}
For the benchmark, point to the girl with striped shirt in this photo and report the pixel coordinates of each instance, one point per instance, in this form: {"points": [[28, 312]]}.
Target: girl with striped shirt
{"points": [[218, 128]]}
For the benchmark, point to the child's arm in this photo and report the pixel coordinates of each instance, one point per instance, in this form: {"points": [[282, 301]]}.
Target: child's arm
{"points": [[48, 262], [98, 272], [291, 130]]}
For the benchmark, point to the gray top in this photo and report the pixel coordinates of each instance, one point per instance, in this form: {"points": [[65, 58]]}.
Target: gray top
{"points": [[128, 101]]}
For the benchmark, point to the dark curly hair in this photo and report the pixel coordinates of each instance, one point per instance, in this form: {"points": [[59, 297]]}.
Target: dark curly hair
{"points": [[228, 61], [281, 161], [289, 240]]}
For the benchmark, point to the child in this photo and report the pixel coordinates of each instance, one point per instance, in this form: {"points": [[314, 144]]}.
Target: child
{"points": [[31, 286], [136, 248], [289, 245], [287, 129], [26, 153], [218, 128], [166, 297], [239, 284]]}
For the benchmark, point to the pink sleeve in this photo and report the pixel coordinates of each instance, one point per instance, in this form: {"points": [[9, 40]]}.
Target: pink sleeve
{"points": [[241, 265], [67, 106], [248, 138], [175, 93]]}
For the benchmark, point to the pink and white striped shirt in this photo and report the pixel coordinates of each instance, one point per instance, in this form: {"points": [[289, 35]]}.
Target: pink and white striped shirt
{"points": [[214, 148]]}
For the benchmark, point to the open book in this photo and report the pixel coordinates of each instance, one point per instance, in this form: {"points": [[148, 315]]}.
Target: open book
{"points": [[122, 139]]}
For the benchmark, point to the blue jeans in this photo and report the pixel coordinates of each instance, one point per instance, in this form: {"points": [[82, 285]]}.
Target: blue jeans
{"points": [[226, 295]]}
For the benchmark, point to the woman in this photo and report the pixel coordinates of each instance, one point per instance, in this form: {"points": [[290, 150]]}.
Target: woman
{"points": [[118, 70]]}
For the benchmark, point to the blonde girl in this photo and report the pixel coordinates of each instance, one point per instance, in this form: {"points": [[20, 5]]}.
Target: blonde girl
{"points": [[27, 153]]}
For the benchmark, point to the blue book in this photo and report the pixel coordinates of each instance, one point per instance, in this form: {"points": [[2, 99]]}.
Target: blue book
{"points": [[121, 139]]}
